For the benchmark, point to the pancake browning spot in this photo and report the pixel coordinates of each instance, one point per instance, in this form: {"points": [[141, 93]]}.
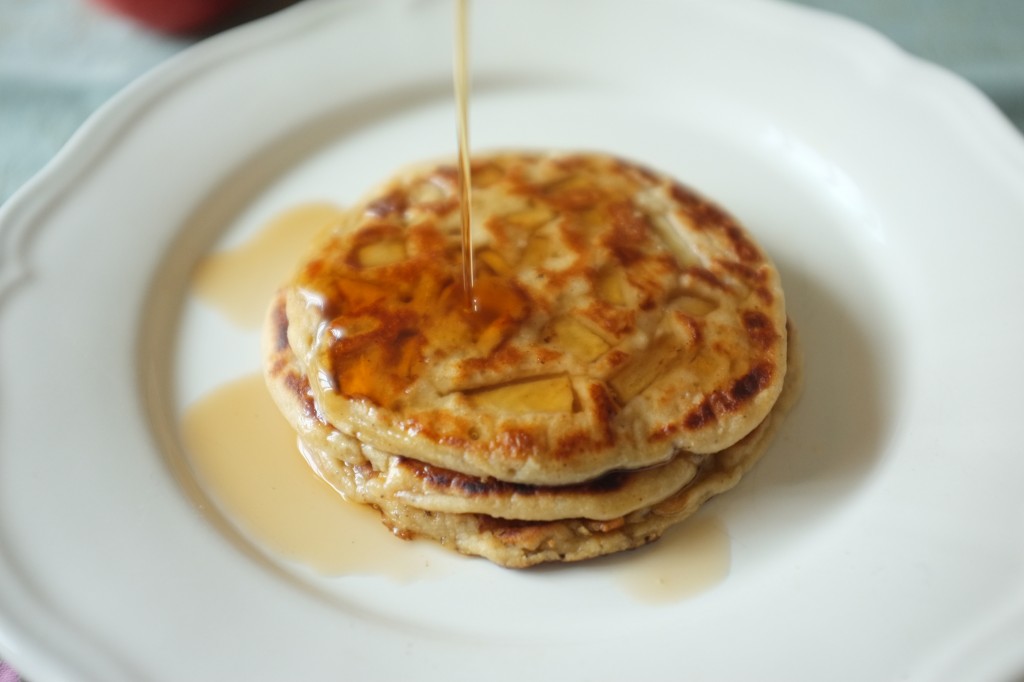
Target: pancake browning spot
{"points": [[759, 328]]}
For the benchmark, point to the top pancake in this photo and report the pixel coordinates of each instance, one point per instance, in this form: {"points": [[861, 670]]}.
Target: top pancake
{"points": [[620, 318]]}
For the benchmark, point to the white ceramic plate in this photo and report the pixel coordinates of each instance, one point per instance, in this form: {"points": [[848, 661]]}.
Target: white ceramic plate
{"points": [[882, 537]]}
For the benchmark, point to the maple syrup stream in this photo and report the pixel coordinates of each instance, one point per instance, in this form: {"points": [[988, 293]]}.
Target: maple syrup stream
{"points": [[461, 82]]}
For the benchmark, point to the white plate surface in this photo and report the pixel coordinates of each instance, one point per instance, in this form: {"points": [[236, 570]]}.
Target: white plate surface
{"points": [[881, 538]]}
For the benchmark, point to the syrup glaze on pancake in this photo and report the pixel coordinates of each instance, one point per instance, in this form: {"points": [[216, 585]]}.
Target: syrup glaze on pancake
{"points": [[622, 318]]}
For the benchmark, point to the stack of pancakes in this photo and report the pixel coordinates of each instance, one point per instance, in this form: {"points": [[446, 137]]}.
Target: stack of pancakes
{"points": [[626, 356]]}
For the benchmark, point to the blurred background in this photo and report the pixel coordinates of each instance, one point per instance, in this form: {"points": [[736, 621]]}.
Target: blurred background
{"points": [[61, 59]]}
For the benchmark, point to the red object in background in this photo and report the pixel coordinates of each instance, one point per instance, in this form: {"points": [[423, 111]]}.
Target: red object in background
{"points": [[172, 16]]}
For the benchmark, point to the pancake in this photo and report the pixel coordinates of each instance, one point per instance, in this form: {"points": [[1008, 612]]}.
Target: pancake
{"points": [[621, 319], [405, 480], [520, 544]]}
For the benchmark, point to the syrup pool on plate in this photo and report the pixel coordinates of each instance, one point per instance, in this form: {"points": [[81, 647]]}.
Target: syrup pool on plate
{"points": [[245, 453], [239, 282]]}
